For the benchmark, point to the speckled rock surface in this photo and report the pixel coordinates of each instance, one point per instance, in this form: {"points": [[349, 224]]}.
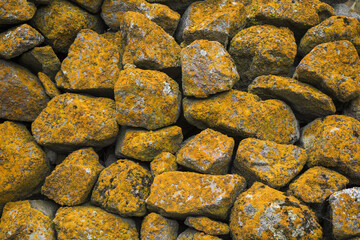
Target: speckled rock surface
{"points": [[182, 194], [122, 188], [262, 212], [92, 6], [154, 226], [238, 113], [353, 109], [177, 5], [207, 68], [49, 86], [16, 11], [192, 234], [164, 162], [207, 225], [89, 222], [332, 67]]}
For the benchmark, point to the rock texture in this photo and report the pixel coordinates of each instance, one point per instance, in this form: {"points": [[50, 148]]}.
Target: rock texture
{"points": [[16, 11], [164, 162], [155, 226], [207, 225], [49, 86]]}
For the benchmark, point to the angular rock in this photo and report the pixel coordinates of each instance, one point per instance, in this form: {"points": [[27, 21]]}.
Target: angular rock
{"points": [[262, 212], [71, 182], [16, 11], [146, 98], [122, 189], [113, 11], [244, 115], [177, 5], [22, 96], [333, 68], [18, 40], [92, 6], [155, 226], [182, 194], [116, 39], [89, 222], [207, 68], [307, 102], [353, 109], [262, 50], [49, 86], [207, 225], [192, 234], [71, 121], [208, 152], [164, 162]]}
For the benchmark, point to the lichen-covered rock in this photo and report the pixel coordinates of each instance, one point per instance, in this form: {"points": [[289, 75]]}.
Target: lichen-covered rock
{"points": [[144, 145], [60, 21], [214, 20], [207, 152], [139, 33], [22, 96], [16, 11], [332, 29], [164, 162], [182, 194], [113, 11], [122, 188], [91, 66], [72, 121], [243, 114], [23, 164], [333, 142], [49, 86], [345, 212], [155, 226], [262, 50], [146, 98], [92, 6], [207, 225], [30, 219], [116, 39], [71, 181], [89, 222], [262, 212], [192, 234], [207, 68], [307, 102], [177, 5], [333, 68], [353, 109]]}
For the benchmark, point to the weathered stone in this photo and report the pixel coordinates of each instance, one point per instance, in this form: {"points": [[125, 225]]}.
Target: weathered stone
{"points": [[145, 145], [345, 212], [23, 164], [333, 68], [146, 98], [60, 21], [307, 102], [122, 188], [71, 121], [92, 65], [182, 194], [262, 50], [207, 225], [353, 109], [89, 222], [192, 234], [177, 5], [243, 114], [22, 96], [18, 40], [92, 6], [207, 152], [116, 39], [164, 162], [343, 9], [262, 212], [155, 226], [49, 86], [207, 68], [16, 11], [71, 182], [113, 11]]}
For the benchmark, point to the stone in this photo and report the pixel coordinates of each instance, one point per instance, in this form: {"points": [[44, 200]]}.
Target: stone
{"points": [[207, 68], [213, 20], [154, 226], [145, 145], [262, 50], [146, 98], [333, 142], [344, 10], [92, 6], [243, 114], [164, 162], [22, 97], [89, 222], [116, 39], [29, 219], [122, 188], [182, 194], [262, 212], [113, 10], [16, 11], [23, 164], [49, 86], [208, 152], [71, 182], [91, 66], [332, 29], [60, 22], [177, 5], [333, 68], [71, 121], [18, 40], [207, 225], [192, 234], [345, 212], [307, 102], [353, 109]]}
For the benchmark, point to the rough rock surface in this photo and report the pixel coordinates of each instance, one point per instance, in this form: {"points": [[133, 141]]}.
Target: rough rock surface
{"points": [[49, 86], [92, 6], [164, 162], [16, 11], [154, 226], [353, 109], [177, 5], [192, 234], [207, 225]]}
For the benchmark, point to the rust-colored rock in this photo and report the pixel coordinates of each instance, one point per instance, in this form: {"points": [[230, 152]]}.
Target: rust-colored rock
{"points": [[92, 6], [192, 234], [155, 226], [49, 86], [207, 225], [16, 11], [164, 162]]}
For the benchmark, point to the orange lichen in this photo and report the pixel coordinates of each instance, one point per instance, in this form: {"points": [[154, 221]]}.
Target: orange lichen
{"points": [[15, 11], [155, 226], [49, 86], [164, 162], [92, 6], [207, 225]]}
